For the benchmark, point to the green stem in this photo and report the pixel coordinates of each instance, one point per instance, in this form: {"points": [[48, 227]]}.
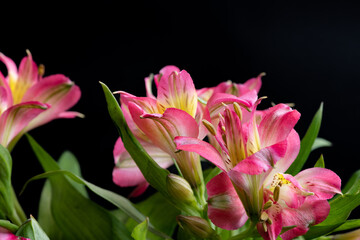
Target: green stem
{"points": [[246, 233]]}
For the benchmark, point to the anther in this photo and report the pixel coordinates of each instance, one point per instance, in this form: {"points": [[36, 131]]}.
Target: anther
{"points": [[41, 70], [264, 226], [209, 126], [267, 205], [238, 110], [264, 217], [277, 193], [223, 128]]}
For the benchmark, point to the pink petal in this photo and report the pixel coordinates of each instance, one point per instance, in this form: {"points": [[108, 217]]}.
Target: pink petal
{"points": [[215, 103], [148, 87], [4, 99], [162, 129], [10, 65], [202, 148], [201, 114], [262, 160], [70, 114], [292, 150], [124, 99], [224, 206], [56, 90], [273, 229], [254, 83], [205, 93], [276, 124], [292, 193], [234, 137], [323, 182], [140, 189], [310, 213], [178, 91], [165, 73], [126, 173], [28, 71], [128, 177], [16, 118]]}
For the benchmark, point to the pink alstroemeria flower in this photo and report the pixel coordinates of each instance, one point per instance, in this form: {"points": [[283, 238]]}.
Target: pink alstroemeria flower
{"points": [[298, 201], [251, 146], [8, 235], [156, 121], [254, 157], [28, 100]]}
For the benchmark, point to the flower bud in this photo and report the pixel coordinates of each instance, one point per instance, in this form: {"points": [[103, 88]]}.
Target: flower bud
{"points": [[196, 226], [179, 189]]}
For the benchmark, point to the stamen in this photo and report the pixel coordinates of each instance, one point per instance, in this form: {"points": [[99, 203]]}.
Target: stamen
{"points": [[209, 127], [277, 193], [268, 204], [264, 217], [264, 226], [269, 221], [238, 110], [223, 128], [41, 70], [223, 136]]}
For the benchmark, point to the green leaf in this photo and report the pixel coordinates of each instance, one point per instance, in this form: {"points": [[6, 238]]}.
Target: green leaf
{"points": [[140, 231], [124, 204], [161, 214], [353, 184], [348, 225], [340, 208], [67, 161], [306, 143], [210, 173], [8, 225], [319, 143], [6, 200], [31, 229], [320, 162], [75, 215], [153, 173]]}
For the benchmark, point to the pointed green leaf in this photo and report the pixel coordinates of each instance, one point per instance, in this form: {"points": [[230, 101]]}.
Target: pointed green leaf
{"points": [[31, 229], [57, 178], [307, 143], [319, 143], [77, 216], [320, 162], [124, 204], [161, 213], [140, 231], [153, 173], [67, 161], [6, 200], [210, 173], [340, 208], [349, 225], [353, 184]]}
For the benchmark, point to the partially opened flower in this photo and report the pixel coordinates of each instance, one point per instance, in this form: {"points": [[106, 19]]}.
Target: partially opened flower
{"points": [[29, 100]]}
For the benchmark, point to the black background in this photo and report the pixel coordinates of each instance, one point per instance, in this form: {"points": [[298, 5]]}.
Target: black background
{"points": [[310, 52]]}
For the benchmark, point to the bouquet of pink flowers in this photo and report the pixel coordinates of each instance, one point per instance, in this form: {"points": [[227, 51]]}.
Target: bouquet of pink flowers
{"points": [[238, 168]]}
